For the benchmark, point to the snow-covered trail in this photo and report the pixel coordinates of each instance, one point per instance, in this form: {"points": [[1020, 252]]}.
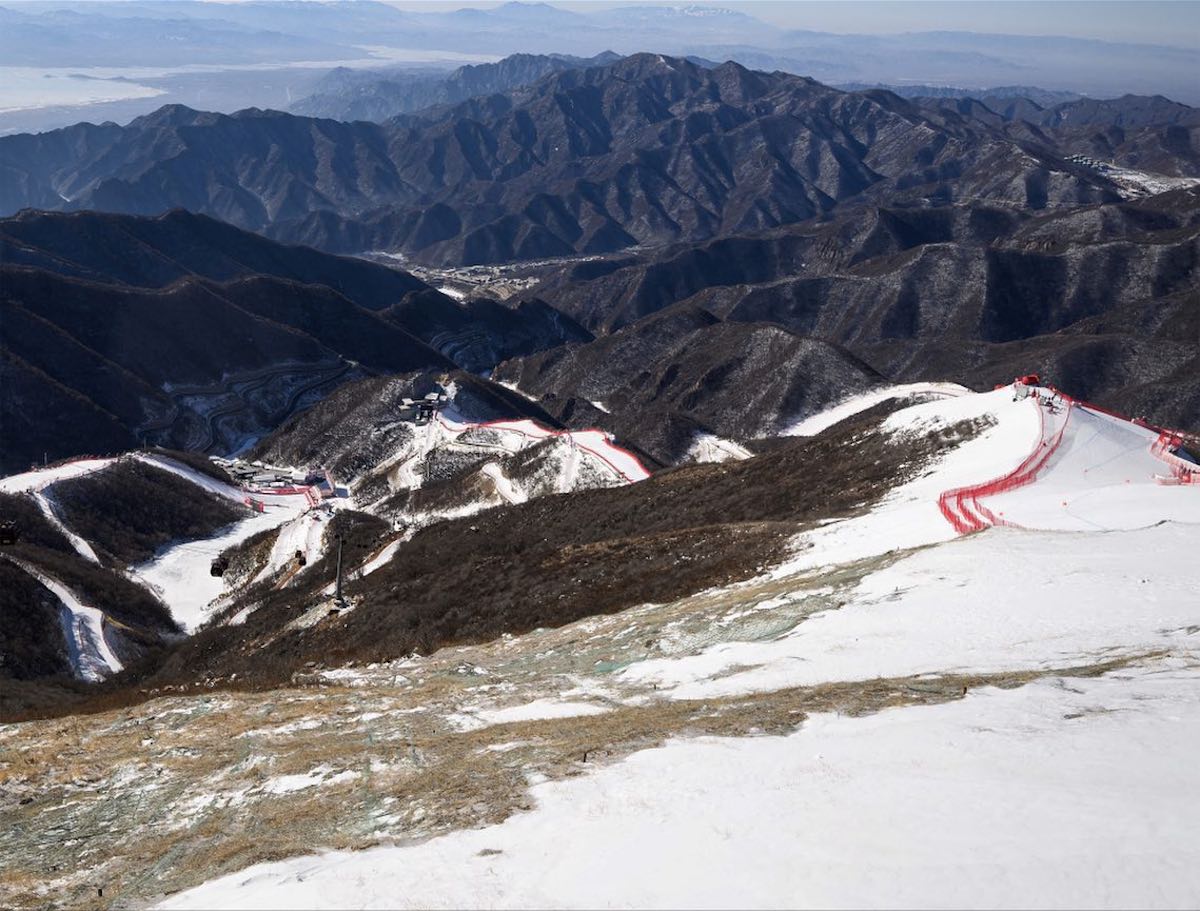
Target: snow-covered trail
{"points": [[211, 484], [909, 516], [1101, 473], [1069, 469], [936, 806], [504, 487], [92, 658], [594, 443], [43, 477], [302, 534], [181, 575], [35, 482], [81, 546], [857, 404]]}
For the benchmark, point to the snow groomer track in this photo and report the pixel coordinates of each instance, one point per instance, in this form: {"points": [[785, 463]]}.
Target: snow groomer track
{"points": [[1087, 468]]}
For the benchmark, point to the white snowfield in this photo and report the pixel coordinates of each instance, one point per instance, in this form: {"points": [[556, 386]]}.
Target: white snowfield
{"points": [[1066, 791], [1051, 795]]}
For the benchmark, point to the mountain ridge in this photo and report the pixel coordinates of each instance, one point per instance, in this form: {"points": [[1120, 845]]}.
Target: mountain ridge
{"points": [[647, 150]]}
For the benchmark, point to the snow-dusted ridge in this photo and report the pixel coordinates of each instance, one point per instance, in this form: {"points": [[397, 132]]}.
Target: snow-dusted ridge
{"points": [[847, 408]]}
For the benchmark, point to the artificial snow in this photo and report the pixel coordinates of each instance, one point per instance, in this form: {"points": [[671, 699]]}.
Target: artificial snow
{"points": [[181, 575], [88, 651], [707, 447], [1003, 599]]}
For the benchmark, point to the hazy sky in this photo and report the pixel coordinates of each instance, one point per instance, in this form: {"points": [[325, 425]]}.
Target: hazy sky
{"points": [[1172, 22]]}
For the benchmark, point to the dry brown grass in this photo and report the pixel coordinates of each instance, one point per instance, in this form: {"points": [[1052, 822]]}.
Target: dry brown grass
{"points": [[119, 823]]}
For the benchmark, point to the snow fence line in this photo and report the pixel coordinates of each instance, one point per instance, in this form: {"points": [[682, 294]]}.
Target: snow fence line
{"points": [[1182, 471], [543, 433], [961, 506]]}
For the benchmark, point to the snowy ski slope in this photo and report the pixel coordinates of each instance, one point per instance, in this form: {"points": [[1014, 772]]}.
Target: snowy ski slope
{"points": [[1062, 792], [91, 657], [593, 444]]}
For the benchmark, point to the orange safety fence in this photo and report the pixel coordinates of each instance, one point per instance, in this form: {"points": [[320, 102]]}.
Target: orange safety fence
{"points": [[962, 509]]}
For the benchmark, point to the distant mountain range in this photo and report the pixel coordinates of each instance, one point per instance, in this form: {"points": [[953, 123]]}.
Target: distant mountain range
{"points": [[348, 94], [1039, 96], [647, 150], [719, 226], [177, 33]]}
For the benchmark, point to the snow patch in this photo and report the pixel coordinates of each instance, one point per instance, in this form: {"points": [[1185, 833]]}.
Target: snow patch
{"points": [[709, 448]]}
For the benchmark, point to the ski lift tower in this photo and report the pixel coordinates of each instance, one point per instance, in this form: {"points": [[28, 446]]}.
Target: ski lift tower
{"points": [[9, 533]]}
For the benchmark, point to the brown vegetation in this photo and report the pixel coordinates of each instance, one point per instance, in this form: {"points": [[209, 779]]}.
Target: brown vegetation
{"points": [[557, 559], [130, 510]]}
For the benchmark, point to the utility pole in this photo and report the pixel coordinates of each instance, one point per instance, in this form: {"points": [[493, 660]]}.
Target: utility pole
{"points": [[338, 595]]}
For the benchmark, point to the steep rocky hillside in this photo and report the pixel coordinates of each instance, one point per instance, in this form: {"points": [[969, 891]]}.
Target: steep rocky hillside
{"points": [[184, 331], [681, 377], [1100, 297]]}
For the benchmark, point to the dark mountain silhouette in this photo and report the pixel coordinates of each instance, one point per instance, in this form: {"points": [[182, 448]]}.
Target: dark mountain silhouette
{"points": [[180, 330], [1104, 299]]}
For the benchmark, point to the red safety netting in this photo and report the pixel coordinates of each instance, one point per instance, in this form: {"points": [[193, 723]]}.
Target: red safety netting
{"points": [[961, 506], [1182, 471]]}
